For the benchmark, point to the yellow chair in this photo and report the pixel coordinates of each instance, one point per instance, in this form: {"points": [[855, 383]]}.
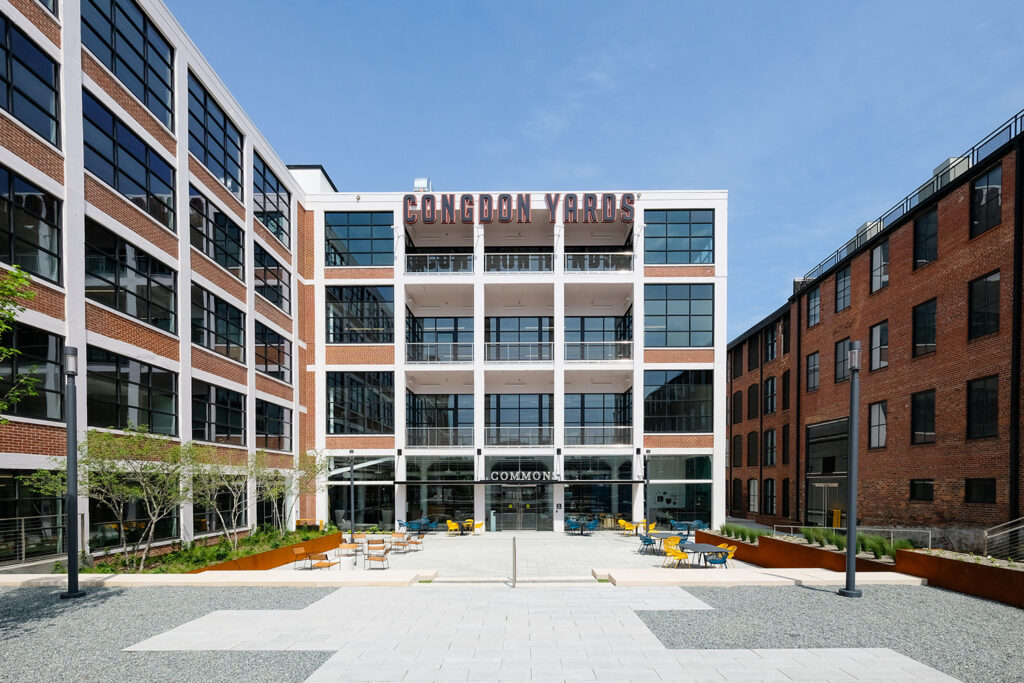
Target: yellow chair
{"points": [[628, 529], [673, 553], [478, 528], [453, 528], [732, 551], [671, 543], [650, 529]]}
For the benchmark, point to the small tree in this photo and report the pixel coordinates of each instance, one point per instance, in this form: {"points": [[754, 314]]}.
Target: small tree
{"points": [[215, 474], [117, 469], [272, 484], [15, 290]]}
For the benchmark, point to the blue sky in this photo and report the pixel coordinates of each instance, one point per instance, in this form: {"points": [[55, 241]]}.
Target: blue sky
{"points": [[816, 116]]}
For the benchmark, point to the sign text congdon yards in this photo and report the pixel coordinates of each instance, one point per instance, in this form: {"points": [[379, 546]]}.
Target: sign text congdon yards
{"points": [[506, 208]]}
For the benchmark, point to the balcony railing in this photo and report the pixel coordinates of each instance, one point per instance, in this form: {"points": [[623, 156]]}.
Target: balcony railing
{"points": [[518, 263], [519, 436], [438, 436], [599, 262], [443, 352], [22, 538], [599, 435], [439, 263], [955, 168], [597, 351], [519, 352]]}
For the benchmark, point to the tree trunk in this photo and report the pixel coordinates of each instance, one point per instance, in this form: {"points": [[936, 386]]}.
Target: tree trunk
{"points": [[148, 535]]}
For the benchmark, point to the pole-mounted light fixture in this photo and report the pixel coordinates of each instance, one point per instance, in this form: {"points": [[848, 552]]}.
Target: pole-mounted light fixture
{"points": [[71, 502]]}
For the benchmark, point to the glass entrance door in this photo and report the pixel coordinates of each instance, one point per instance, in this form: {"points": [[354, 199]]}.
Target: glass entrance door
{"points": [[525, 508]]}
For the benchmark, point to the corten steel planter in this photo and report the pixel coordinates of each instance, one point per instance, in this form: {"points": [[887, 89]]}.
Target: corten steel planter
{"points": [[775, 554], [277, 557], [974, 578]]}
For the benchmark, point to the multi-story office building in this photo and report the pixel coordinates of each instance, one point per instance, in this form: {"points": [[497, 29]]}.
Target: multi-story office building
{"points": [[932, 290], [470, 354]]}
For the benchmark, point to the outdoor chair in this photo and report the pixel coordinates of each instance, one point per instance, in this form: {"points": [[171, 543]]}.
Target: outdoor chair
{"points": [[646, 542], [591, 526], [432, 527], [717, 559], [399, 542], [320, 561], [414, 527], [453, 528], [399, 524], [627, 528], [478, 528], [299, 554], [674, 554], [348, 549], [571, 525], [416, 543], [376, 557]]}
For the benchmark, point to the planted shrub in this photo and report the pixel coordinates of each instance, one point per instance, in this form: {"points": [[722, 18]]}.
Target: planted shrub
{"points": [[902, 544], [808, 534]]}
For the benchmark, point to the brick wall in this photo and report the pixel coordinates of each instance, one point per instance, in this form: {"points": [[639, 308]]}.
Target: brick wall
{"points": [[272, 386], [22, 437], [679, 271], [679, 441], [40, 18], [271, 241], [359, 273], [30, 148], [217, 365], [273, 313], [345, 442], [679, 355], [360, 354], [47, 300], [119, 327], [203, 265], [129, 215]]}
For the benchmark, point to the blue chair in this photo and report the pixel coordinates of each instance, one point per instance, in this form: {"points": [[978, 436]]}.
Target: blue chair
{"points": [[679, 526], [646, 542], [572, 525], [414, 526], [432, 527], [399, 524], [717, 558], [590, 526], [698, 524]]}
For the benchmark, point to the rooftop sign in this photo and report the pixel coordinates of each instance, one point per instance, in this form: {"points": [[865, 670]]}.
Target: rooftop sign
{"points": [[446, 209]]}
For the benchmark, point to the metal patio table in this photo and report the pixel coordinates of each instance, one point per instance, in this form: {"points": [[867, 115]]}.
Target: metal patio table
{"points": [[701, 548]]}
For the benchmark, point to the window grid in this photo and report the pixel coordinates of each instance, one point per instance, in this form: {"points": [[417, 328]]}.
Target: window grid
{"points": [[679, 315], [273, 281], [216, 235], [679, 236], [359, 238], [924, 328], [922, 489], [121, 159], [218, 414], [29, 82], [813, 370], [769, 395], [123, 392], [360, 403], [983, 304], [768, 497], [769, 448], [213, 138], [880, 266], [40, 355], [678, 401], [880, 345], [271, 201], [877, 424], [126, 278], [842, 360], [273, 353], [752, 449], [922, 417], [770, 342], [217, 325], [843, 289], [986, 201], [752, 505], [30, 234], [813, 307], [926, 238], [273, 426], [360, 315], [122, 38], [983, 407]]}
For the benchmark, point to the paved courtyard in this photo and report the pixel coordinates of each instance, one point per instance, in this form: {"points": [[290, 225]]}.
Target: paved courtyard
{"points": [[492, 632]]}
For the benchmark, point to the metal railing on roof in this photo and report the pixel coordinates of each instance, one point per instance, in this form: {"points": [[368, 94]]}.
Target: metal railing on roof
{"points": [[955, 168]]}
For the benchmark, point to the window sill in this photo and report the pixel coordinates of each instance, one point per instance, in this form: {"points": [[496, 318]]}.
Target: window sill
{"points": [[60, 124], [232, 446], [874, 370]]}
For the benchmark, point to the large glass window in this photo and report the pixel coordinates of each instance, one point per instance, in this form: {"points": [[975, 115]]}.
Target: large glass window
{"points": [[360, 402], [124, 392], [596, 337], [926, 238], [213, 138], [121, 36], [271, 201], [769, 396], [359, 238], [768, 497], [438, 419], [771, 340], [813, 307], [983, 306], [753, 449], [924, 328], [877, 424], [605, 502], [843, 360], [880, 266], [444, 340], [598, 419], [439, 502], [123, 277], [216, 235], [983, 407], [273, 353], [519, 419], [273, 282], [41, 356], [679, 502], [28, 83], [677, 467], [987, 201], [679, 237], [678, 401], [880, 345], [922, 489], [752, 505], [813, 371], [842, 288], [360, 315], [374, 505], [217, 325], [207, 519], [601, 468], [120, 158], [440, 468], [753, 402], [362, 468], [29, 227], [922, 417], [273, 426], [218, 414], [525, 338], [679, 315]]}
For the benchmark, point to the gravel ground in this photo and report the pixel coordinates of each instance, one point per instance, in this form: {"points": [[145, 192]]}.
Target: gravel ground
{"points": [[965, 637], [45, 638]]}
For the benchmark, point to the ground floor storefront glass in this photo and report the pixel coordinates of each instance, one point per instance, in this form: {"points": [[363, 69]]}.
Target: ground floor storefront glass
{"points": [[375, 505], [519, 507], [606, 502], [439, 502], [679, 502]]}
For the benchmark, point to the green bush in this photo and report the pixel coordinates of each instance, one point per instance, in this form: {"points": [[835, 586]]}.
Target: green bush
{"points": [[808, 534], [902, 544], [840, 541]]}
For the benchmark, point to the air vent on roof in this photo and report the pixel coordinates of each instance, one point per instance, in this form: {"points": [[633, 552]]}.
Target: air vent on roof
{"points": [[422, 185]]}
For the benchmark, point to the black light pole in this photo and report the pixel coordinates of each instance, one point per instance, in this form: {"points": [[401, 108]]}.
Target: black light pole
{"points": [[851, 590], [352, 500], [71, 504]]}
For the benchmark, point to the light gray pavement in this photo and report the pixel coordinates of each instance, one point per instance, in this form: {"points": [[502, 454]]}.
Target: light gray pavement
{"points": [[494, 633]]}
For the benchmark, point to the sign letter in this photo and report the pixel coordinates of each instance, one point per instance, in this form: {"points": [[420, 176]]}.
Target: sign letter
{"points": [[408, 206]]}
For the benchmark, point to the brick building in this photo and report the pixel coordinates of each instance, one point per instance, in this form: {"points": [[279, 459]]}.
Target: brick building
{"points": [[932, 290]]}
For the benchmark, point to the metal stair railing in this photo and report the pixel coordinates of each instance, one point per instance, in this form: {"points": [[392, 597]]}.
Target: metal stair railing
{"points": [[1006, 541]]}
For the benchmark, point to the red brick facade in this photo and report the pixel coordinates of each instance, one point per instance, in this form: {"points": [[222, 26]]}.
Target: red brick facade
{"points": [[122, 328], [271, 386], [23, 144], [679, 355], [22, 437], [273, 313], [40, 18], [218, 365], [346, 442], [129, 215], [47, 300], [271, 241], [679, 441], [359, 273], [203, 265], [679, 271], [213, 185], [360, 354]]}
